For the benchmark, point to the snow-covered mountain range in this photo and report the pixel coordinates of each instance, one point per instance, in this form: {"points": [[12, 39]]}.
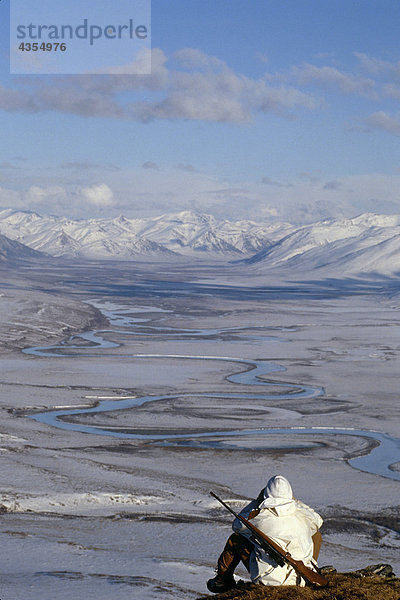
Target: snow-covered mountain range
{"points": [[122, 238], [368, 243]]}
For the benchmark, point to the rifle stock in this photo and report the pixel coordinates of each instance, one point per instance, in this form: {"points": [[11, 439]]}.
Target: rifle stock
{"points": [[278, 554]]}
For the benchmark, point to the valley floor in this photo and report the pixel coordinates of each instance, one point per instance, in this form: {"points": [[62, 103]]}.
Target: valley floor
{"points": [[94, 516]]}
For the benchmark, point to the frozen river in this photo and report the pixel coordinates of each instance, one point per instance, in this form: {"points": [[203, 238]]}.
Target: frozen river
{"points": [[384, 453]]}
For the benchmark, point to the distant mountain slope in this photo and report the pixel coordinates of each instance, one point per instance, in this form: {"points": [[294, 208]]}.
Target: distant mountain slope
{"points": [[12, 251], [367, 243]]}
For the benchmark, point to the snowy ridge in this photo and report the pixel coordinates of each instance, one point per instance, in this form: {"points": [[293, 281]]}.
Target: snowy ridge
{"points": [[122, 238], [367, 243]]}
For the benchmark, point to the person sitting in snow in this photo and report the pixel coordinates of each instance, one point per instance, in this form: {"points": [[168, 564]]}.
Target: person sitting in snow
{"points": [[289, 522]]}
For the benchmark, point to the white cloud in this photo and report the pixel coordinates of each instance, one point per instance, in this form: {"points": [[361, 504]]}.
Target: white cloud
{"points": [[333, 79], [140, 65], [381, 120], [15, 100], [299, 200], [391, 91], [206, 89], [37, 194], [380, 68], [40, 198], [207, 104], [139, 192], [10, 198], [99, 195], [70, 200], [193, 58], [222, 96]]}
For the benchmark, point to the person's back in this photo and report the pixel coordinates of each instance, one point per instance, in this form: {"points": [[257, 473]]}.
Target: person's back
{"points": [[289, 522]]}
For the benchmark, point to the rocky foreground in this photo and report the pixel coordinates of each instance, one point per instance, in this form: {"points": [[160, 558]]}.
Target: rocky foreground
{"points": [[376, 582]]}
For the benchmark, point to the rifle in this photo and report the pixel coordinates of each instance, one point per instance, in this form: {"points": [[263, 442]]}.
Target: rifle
{"points": [[278, 554]]}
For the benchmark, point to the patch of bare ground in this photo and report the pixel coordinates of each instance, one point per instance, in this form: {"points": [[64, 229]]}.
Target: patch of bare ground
{"points": [[360, 585]]}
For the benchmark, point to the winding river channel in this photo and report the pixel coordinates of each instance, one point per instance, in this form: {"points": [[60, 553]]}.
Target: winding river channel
{"points": [[378, 461]]}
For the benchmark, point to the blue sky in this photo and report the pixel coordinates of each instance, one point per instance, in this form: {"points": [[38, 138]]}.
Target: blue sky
{"points": [[259, 109]]}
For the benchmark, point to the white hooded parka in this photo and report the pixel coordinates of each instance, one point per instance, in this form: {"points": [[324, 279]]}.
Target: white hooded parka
{"points": [[290, 523]]}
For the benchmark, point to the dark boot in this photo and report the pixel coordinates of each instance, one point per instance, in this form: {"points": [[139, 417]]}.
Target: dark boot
{"points": [[219, 584], [237, 548]]}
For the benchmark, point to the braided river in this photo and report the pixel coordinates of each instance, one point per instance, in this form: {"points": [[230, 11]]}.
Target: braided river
{"points": [[383, 453]]}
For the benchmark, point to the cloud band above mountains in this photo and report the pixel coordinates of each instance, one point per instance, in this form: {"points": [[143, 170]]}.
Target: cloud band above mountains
{"points": [[200, 87], [191, 85]]}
